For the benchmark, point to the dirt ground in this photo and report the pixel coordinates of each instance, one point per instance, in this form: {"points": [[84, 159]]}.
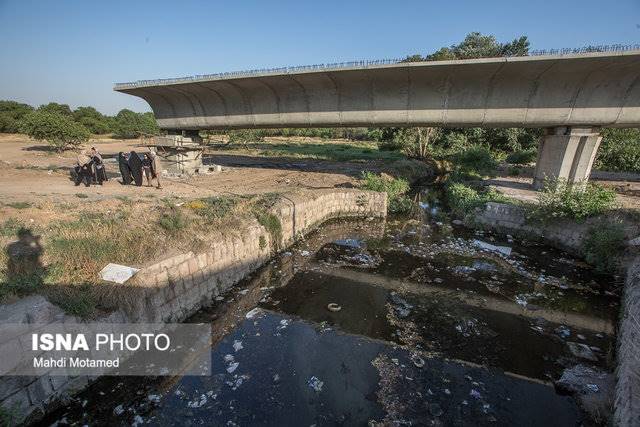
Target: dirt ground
{"points": [[29, 172]]}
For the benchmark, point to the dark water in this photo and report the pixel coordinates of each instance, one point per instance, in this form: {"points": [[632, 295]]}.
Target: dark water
{"points": [[430, 330]]}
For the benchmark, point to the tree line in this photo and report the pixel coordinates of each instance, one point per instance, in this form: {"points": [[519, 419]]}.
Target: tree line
{"points": [[63, 127]]}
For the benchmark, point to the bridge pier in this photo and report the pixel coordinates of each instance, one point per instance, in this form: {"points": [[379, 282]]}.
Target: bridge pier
{"points": [[566, 153]]}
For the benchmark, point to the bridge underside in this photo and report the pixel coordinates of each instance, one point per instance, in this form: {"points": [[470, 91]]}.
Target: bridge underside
{"points": [[566, 93]]}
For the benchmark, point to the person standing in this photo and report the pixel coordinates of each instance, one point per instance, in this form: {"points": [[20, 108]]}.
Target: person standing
{"points": [[156, 167], [99, 172], [83, 170], [147, 163]]}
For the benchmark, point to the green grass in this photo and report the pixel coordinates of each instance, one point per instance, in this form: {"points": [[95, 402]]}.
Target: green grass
{"points": [[272, 224], [558, 199], [10, 227], [173, 220], [19, 205], [351, 151], [81, 196], [213, 208]]}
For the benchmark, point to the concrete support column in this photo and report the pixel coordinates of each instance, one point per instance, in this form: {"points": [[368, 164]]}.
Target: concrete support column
{"points": [[567, 153]]}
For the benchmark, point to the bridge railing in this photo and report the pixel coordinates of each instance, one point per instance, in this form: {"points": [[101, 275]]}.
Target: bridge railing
{"points": [[352, 64]]}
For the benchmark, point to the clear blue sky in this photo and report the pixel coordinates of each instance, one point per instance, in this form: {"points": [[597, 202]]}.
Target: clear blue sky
{"points": [[73, 51]]}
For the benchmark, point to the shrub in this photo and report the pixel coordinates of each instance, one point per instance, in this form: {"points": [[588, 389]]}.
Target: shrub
{"points": [[463, 199], [619, 151], [246, 135], [60, 131], [212, 208], [558, 199], [173, 220], [477, 158], [396, 189], [10, 114], [603, 246], [272, 224], [522, 157]]}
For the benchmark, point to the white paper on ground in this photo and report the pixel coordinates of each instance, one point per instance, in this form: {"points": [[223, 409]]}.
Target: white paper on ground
{"points": [[117, 273]]}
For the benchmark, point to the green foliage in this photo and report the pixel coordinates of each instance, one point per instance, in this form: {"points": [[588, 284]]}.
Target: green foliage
{"points": [[522, 157], [19, 205], [10, 227], [60, 131], [463, 199], [619, 150], [55, 108], [558, 199], [476, 158], [82, 302], [213, 208], [246, 135], [272, 224], [396, 189], [173, 220], [11, 112], [128, 124], [93, 120], [603, 246], [477, 45]]}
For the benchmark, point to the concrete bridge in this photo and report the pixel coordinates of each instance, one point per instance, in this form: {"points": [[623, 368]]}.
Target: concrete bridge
{"points": [[572, 96]]}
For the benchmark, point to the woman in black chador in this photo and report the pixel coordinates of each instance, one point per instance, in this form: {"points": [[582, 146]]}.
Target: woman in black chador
{"points": [[135, 165], [124, 168], [99, 172], [83, 170]]}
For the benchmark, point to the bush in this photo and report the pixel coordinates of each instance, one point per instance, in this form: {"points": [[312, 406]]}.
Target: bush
{"points": [[173, 220], [619, 151], [477, 158], [561, 200], [522, 157], [396, 189], [213, 208], [59, 131], [11, 113], [463, 199], [603, 247], [244, 136]]}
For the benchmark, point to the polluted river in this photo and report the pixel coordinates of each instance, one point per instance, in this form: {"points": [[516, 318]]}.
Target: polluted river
{"points": [[407, 321]]}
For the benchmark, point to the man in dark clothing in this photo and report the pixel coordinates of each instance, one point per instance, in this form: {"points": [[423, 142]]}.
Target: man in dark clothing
{"points": [[99, 172]]}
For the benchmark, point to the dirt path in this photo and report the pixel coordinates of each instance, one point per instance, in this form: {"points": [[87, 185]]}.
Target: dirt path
{"points": [[31, 173]]}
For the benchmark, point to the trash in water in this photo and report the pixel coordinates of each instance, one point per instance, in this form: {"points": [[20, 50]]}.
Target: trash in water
{"points": [[251, 314], [315, 384], [582, 351], [232, 367], [118, 410], [563, 331], [593, 388], [155, 398], [417, 360], [488, 246], [435, 409], [333, 307], [475, 394], [117, 273], [305, 253], [237, 345], [198, 402]]}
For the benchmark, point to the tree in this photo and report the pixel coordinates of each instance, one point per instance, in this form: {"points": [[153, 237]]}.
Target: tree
{"points": [[54, 107], [477, 45], [129, 124], [414, 58], [10, 114], [92, 119], [58, 130]]}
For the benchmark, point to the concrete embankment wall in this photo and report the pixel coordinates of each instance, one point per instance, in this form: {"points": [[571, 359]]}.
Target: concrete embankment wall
{"points": [[627, 394], [509, 219], [173, 289]]}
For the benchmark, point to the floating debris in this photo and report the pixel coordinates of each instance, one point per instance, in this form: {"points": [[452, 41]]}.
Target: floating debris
{"points": [[315, 384]]}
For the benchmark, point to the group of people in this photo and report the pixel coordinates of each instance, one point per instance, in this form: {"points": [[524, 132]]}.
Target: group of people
{"points": [[133, 167], [90, 169]]}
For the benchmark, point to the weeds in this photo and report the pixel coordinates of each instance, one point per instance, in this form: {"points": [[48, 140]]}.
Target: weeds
{"points": [[522, 157], [19, 205], [558, 199], [213, 208], [173, 220], [396, 189], [603, 246], [273, 226], [463, 199]]}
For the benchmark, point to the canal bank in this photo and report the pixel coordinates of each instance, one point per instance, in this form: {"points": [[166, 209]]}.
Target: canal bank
{"points": [[408, 320]]}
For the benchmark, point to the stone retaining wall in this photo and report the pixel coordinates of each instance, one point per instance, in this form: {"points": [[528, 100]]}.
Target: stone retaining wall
{"points": [[627, 395], [173, 289]]}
